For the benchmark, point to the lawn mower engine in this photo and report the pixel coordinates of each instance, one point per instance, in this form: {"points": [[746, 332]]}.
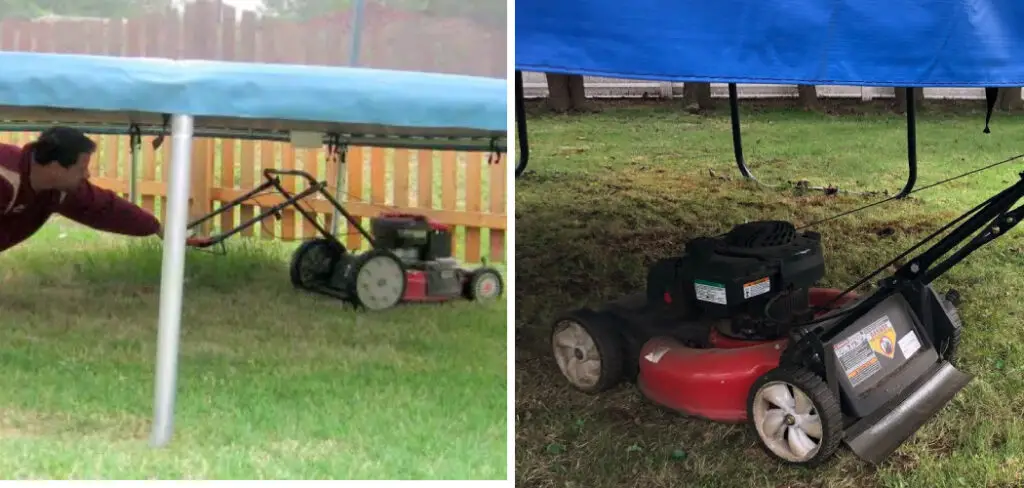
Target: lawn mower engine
{"points": [[735, 331], [747, 284], [411, 261]]}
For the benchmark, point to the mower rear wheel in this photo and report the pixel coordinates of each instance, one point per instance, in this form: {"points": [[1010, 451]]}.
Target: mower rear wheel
{"points": [[484, 284], [949, 345], [314, 260], [795, 416], [588, 351], [378, 280]]}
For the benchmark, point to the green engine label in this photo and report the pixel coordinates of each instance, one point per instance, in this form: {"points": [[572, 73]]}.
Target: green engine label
{"points": [[708, 291]]}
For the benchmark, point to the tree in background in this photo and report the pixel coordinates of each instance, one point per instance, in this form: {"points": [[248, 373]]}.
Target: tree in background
{"points": [[29, 9], [566, 93]]}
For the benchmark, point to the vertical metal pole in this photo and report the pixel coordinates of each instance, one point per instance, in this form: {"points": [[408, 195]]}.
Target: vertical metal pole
{"points": [[353, 57], [357, 33], [524, 142], [172, 277], [737, 137], [911, 144], [133, 183], [339, 187]]}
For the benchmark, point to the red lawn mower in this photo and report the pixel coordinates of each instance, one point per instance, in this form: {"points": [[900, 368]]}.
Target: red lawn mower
{"points": [[410, 260], [735, 331]]}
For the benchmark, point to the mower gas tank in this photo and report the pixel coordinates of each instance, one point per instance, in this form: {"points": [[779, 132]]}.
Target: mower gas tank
{"points": [[880, 355]]}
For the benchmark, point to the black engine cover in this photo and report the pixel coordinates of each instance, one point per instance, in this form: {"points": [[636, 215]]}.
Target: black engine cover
{"points": [[431, 240], [736, 275]]}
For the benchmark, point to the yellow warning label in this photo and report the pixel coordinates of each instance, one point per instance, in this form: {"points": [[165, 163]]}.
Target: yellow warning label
{"points": [[882, 337], [757, 282], [757, 287]]}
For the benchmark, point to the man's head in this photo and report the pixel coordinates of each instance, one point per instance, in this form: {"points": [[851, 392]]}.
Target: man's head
{"points": [[60, 158]]}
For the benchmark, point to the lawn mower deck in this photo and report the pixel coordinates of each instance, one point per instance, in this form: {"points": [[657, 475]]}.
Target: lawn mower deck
{"points": [[410, 259], [734, 330]]}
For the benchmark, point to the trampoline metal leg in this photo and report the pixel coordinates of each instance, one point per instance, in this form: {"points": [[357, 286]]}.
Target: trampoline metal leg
{"points": [[737, 138], [339, 189], [524, 143], [133, 183], [908, 187], [911, 144], [172, 278]]}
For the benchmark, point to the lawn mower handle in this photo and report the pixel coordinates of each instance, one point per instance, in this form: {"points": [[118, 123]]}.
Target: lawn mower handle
{"points": [[992, 217], [270, 173], [273, 181]]}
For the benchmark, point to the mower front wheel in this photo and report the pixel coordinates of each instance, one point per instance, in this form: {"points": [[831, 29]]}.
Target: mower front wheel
{"points": [[795, 416], [484, 284], [588, 351]]}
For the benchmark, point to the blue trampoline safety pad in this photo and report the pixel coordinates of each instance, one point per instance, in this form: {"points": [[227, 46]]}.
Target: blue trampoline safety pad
{"points": [[370, 100], [962, 43]]}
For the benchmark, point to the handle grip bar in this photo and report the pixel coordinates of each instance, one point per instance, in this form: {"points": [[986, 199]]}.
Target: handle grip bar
{"points": [[269, 174]]}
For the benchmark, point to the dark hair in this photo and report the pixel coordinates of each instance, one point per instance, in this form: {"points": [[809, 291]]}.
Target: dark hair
{"points": [[63, 145]]}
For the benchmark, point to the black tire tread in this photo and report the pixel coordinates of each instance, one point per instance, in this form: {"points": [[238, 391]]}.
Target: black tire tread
{"points": [[949, 348], [300, 252], [609, 346], [824, 402]]}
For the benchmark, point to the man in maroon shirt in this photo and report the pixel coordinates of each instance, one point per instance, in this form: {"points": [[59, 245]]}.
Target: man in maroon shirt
{"points": [[51, 175]]}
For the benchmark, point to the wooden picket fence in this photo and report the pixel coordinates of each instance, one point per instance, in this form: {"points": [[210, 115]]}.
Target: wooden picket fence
{"points": [[462, 190], [459, 189]]}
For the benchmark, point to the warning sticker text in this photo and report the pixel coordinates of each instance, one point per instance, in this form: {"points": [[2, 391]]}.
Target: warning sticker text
{"points": [[858, 360], [757, 287], [859, 354]]}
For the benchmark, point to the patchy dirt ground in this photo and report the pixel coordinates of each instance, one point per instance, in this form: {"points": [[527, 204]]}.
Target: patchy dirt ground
{"points": [[610, 192]]}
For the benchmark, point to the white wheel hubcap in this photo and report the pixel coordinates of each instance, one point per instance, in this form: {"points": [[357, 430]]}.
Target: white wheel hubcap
{"points": [[487, 287], [576, 354], [379, 283], [787, 421]]}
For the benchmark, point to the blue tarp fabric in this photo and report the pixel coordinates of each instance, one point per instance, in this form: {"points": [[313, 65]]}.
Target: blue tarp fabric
{"points": [[254, 91], [932, 43]]}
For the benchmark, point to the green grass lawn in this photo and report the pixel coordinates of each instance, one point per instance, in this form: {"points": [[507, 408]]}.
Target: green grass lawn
{"points": [[607, 193], [273, 382]]}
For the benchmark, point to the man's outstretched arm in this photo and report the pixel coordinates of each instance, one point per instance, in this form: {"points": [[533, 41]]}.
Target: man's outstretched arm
{"points": [[104, 210], [6, 194], [10, 180]]}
